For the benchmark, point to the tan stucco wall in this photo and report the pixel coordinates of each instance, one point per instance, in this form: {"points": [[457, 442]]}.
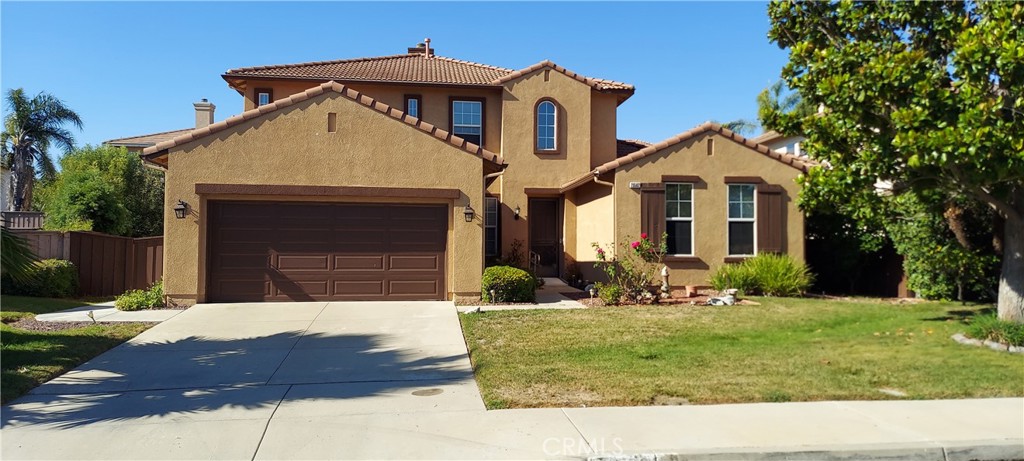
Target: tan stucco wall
{"points": [[603, 128], [595, 223], [586, 138], [434, 109], [710, 204], [292, 147], [526, 168]]}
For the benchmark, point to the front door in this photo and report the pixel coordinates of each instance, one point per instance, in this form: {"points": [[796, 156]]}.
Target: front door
{"points": [[545, 235]]}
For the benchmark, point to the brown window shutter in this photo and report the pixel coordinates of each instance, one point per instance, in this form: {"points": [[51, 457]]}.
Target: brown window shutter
{"points": [[771, 218], [652, 211]]}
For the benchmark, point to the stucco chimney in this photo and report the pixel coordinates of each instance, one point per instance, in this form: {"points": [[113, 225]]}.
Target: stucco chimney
{"points": [[204, 113]]}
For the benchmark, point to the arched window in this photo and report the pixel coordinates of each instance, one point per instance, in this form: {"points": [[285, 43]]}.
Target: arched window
{"points": [[547, 126]]}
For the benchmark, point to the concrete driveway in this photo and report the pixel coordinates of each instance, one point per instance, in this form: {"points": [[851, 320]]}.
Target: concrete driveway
{"points": [[206, 383]]}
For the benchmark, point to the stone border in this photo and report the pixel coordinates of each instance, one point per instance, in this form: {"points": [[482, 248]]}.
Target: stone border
{"points": [[960, 338]]}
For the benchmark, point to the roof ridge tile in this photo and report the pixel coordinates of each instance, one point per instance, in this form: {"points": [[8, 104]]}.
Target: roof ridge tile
{"points": [[314, 63]]}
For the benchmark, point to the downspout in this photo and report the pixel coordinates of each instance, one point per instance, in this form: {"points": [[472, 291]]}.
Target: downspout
{"points": [[603, 183]]}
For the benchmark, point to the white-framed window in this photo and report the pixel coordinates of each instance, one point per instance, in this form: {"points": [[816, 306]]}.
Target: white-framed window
{"points": [[491, 226], [741, 238], [679, 218], [412, 105], [467, 121], [264, 96], [547, 115]]}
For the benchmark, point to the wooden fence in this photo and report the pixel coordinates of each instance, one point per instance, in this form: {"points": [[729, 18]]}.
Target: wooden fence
{"points": [[22, 220], [107, 265]]}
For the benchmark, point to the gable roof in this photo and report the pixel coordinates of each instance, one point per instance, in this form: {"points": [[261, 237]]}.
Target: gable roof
{"points": [[155, 153], [595, 83], [146, 140], [793, 161], [416, 68]]}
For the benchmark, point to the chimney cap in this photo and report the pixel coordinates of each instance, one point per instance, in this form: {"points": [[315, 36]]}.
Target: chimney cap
{"points": [[421, 48]]}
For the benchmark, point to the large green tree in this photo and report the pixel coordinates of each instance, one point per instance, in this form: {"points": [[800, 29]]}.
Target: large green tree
{"points": [[925, 96], [106, 189], [30, 128]]}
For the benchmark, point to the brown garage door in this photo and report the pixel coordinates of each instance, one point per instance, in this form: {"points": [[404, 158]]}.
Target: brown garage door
{"points": [[276, 251]]}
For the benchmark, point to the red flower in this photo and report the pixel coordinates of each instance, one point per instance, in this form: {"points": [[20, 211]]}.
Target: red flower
{"points": [[643, 235], [635, 245], [600, 251]]}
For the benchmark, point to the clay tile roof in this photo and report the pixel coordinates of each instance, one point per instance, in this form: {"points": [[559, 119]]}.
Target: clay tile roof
{"points": [[413, 68], [596, 83], [146, 140], [799, 163], [157, 154], [625, 147]]}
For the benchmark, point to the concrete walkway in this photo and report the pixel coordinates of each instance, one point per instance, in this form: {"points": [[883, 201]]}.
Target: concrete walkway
{"points": [[549, 296], [105, 312], [393, 381]]}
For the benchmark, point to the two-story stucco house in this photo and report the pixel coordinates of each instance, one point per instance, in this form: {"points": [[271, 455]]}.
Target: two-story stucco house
{"points": [[398, 177]]}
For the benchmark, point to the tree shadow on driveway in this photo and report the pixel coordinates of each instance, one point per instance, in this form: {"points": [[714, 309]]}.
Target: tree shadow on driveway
{"points": [[195, 378]]}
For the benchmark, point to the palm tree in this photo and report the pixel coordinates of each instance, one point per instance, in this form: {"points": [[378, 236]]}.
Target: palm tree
{"points": [[30, 128], [18, 257], [777, 99], [741, 126]]}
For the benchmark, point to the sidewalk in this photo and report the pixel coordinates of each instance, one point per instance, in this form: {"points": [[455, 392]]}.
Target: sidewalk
{"points": [[105, 312]]}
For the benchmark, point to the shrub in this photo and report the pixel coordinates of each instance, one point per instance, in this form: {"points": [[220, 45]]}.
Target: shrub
{"points": [[991, 328], [767, 274], [779, 275], [610, 293], [49, 278], [510, 285], [736, 276], [634, 267], [136, 300]]}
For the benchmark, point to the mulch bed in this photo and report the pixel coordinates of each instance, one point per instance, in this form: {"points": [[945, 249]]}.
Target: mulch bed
{"points": [[36, 325]]}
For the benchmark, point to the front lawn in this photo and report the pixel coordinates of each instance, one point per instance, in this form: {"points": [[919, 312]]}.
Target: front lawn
{"points": [[782, 350], [29, 358]]}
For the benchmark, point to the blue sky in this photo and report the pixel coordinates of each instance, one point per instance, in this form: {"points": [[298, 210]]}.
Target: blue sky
{"points": [[135, 68]]}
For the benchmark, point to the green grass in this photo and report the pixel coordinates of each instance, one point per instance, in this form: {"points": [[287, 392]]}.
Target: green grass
{"points": [[783, 350], [30, 358]]}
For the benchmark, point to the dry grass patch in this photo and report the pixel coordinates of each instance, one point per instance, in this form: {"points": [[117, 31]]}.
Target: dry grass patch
{"points": [[782, 350]]}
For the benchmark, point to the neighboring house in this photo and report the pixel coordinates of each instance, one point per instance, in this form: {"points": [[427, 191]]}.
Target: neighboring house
{"points": [[397, 177], [204, 117], [780, 143]]}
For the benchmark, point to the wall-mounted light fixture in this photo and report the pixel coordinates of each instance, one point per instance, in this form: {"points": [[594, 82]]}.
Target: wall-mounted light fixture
{"points": [[181, 209], [468, 213], [516, 215]]}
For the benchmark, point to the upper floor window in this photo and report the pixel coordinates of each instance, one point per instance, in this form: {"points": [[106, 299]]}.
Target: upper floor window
{"points": [[467, 120], [264, 96], [741, 220], [412, 104], [679, 218], [547, 122]]}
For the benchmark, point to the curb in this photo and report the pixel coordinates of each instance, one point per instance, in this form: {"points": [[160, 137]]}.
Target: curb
{"points": [[988, 450]]}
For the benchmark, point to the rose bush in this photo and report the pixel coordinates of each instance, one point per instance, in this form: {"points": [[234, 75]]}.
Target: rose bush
{"points": [[634, 268]]}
